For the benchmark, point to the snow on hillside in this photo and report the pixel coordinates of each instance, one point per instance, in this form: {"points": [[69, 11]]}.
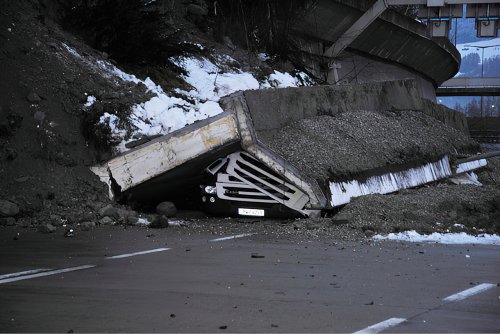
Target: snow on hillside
{"points": [[165, 113], [490, 52]]}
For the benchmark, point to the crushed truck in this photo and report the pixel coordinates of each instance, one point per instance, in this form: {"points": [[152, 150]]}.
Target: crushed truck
{"points": [[298, 151]]}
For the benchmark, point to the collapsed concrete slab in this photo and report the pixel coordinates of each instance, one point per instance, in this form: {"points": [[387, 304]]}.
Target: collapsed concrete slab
{"points": [[307, 149]]}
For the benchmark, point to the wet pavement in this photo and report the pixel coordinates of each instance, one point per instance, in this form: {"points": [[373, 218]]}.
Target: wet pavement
{"points": [[143, 280]]}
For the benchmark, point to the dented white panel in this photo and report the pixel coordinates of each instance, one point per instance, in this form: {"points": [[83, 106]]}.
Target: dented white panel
{"points": [[156, 158], [342, 192], [471, 165]]}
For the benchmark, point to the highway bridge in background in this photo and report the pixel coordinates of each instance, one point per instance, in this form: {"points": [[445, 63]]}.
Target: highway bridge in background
{"points": [[470, 87]]}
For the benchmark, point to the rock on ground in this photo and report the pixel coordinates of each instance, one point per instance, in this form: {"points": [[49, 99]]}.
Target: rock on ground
{"points": [[167, 209], [159, 221], [46, 228], [8, 209], [8, 221]]}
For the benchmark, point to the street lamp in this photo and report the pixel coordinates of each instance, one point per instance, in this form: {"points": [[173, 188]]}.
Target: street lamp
{"points": [[482, 53], [482, 64]]}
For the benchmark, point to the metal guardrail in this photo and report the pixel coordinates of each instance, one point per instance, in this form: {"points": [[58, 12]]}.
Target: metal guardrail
{"points": [[465, 82], [486, 136], [466, 86]]}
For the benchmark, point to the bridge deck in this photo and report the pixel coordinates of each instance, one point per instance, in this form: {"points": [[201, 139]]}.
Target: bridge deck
{"points": [[470, 87]]}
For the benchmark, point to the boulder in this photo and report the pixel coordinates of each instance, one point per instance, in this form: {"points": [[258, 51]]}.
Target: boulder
{"points": [[33, 98], [159, 221], [196, 10], [87, 226], [8, 221], [46, 228], [132, 220], [167, 209], [11, 153], [125, 214], [8, 209], [106, 221], [56, 220], [369, 233], [78, 217], [109, 211], [341, 218]]}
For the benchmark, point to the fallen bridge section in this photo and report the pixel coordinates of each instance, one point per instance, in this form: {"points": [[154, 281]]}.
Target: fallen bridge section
{"points": [[298, 147], [338, 134]]}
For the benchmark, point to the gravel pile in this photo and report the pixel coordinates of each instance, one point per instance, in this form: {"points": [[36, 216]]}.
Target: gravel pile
{"points": [[349, 143], [438, 208]]}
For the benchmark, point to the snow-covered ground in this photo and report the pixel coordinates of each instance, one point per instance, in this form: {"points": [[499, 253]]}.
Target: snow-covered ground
{"points": [[443, 238], [165, 113]]}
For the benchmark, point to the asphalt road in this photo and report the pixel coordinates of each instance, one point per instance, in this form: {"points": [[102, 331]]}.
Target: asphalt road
{"points": [[188, 283]]}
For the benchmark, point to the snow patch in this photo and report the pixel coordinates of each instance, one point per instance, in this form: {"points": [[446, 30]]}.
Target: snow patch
{"points": [[210, 81], [176, 223], [143, 221], [71, 51], [263, 57], [90, 101], [165, 113], [280, 80], [442, 238]]}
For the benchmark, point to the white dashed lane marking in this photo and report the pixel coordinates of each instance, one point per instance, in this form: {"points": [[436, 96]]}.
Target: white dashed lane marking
{"points": [[453, 298], [45, 273], [469, 292], [137, 253], [233, 237], [381, 326], [22, 273]]}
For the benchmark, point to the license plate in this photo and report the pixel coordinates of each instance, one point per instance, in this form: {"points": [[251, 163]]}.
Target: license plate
{"points": [[251, 212]]}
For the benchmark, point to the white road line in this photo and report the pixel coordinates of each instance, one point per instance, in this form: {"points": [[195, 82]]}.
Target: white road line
{"points": [[469, 292], [22, 273], [46, 273], [138, 253], [233, 237], [381, 326]]}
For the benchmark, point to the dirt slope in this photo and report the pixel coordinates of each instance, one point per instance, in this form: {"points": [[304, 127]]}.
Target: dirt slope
{"points": [[43, 153]]}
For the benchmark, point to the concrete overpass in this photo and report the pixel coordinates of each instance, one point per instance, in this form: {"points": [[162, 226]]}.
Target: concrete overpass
{"points": [[391, 47], [470, 87]]}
